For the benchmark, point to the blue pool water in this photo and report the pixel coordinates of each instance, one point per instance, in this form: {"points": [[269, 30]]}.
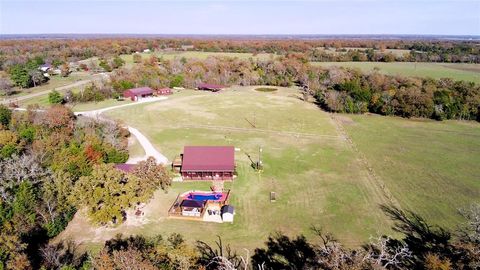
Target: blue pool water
{"points": [[204, 197]]}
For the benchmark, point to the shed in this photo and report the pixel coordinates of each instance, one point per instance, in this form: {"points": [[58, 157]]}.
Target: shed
{"points": [[210, 87], [137, 93], [208, 163], [227, 213], [192, 208]]}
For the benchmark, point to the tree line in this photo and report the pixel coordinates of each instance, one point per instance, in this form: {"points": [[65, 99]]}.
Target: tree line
{"points": [[55, 52], [335, 89], [53, 163], [420, 245]]}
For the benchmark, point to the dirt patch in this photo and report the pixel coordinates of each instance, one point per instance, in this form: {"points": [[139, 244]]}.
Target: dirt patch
{"points": [[345, 120], [266, 89]]}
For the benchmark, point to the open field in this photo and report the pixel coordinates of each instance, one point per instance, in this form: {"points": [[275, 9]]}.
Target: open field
{"points": [[396, 52], [193, 54], [466, 72], [317, 176], [54, 82], [430, 167]]}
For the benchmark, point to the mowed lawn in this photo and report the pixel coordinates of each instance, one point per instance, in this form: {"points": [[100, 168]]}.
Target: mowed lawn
{"points": [[432, 168], [317, 177], [466, 72]]}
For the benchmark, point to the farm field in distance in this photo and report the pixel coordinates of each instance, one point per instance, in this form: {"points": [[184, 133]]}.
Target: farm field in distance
{"points": [[318, 177], [195, 54], [456, 71]]}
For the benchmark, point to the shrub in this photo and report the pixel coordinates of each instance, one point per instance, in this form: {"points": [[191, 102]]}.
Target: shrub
{"points": [[54, 97]]}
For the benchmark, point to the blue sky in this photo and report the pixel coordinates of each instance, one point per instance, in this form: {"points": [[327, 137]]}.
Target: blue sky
{"points": [[451, 17]]}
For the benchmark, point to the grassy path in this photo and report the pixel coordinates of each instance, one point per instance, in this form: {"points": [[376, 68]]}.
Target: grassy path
{"points": [[380, 189]]}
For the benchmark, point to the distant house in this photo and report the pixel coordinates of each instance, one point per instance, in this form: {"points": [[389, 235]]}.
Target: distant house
{"points": [[147, 51], [164, 91], [45, 67], [210, 87], [137, 93], [208, 163], [187, 47], [227, 213]]}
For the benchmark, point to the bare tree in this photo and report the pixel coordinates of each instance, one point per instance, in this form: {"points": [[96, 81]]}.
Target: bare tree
{"points": [[6, 87], [17, 169], [380, 253]]}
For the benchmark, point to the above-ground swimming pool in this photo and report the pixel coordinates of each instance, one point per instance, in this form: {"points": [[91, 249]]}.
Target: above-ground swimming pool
{"points": [[205, 196]]}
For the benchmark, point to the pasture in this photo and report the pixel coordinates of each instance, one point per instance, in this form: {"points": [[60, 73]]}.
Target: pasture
{"points": [[466, 72], [430, 167], [317, 176], [194, 55]]}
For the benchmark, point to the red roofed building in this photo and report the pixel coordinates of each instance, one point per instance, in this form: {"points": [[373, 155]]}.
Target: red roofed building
{"points": [[208, 163], [210, 87], [128, 168], [137, 93]]}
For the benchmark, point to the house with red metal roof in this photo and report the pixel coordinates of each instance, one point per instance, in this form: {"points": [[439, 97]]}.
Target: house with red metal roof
{"points": [[208, 163], [128, 168], [210, 87], [138, 93]]}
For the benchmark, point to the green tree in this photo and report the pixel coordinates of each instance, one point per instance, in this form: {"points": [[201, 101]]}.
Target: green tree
{"points": [[137, 58], [20, 76], [103, 64], [177, 81], [8, 150], [117, 62], [152, 176], [23, 206], [5, 115], [106, 193], [55, 97]]}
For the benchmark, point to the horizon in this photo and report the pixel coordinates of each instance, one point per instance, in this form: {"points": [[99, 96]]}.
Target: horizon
{"points": [[241, 18]]}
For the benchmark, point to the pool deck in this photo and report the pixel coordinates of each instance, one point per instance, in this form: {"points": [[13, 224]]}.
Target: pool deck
{"points": [[209, 213]]}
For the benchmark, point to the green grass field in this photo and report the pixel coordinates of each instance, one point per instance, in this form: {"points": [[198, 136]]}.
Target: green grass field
{"points": [[466, 72], [430, 167], [193, 54], [316, 175]]}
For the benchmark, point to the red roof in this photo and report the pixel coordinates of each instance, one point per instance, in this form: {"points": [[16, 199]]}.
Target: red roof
{"points": [[140, 91], [208, 158], [125, 167], [210, 86]]}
